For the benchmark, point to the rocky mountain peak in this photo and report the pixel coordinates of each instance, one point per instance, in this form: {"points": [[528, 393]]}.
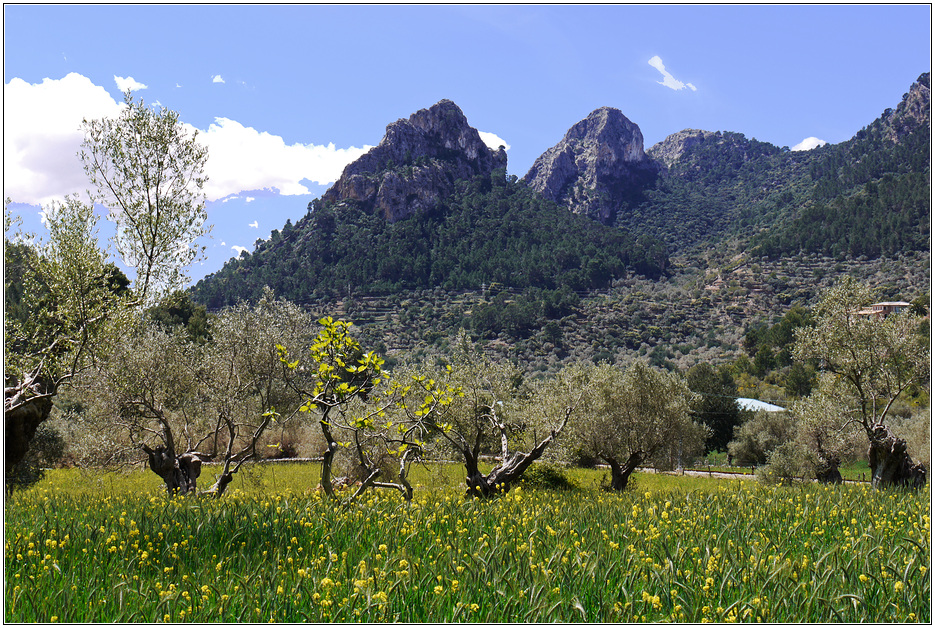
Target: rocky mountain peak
{"points": [[595, 168], [670, 150], [416, 163], [609, 126]]}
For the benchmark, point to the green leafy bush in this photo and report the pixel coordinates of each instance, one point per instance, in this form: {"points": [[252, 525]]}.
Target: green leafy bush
{"points": [[549, 476]]}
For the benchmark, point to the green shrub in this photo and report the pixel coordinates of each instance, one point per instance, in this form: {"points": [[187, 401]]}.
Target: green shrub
{"points": [[549, 476]]}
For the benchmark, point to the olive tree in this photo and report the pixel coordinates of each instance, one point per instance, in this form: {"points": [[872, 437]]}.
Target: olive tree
{"points": [[759, 434], [636, 416], [62, 301], [184, 402], [240, 371], [489, 410], [149, 174], [144, 391], [868, 363]]}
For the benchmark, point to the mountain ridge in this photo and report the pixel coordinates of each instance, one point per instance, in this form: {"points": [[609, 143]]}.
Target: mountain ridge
{"points": [[431, 205]]}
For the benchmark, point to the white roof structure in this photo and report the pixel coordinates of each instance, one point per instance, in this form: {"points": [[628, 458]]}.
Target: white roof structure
{"points": [[756, 405]]}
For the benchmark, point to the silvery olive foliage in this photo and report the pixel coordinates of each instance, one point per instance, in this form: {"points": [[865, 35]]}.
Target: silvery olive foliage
{"points": [[149, 173], [867, 363], [635, 416]]}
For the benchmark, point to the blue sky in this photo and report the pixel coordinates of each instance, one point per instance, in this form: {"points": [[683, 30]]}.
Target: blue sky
{"points": [[285, 96]]}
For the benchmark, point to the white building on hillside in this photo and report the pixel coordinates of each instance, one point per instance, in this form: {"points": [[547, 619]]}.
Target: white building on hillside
{"points": [[755, 405]]}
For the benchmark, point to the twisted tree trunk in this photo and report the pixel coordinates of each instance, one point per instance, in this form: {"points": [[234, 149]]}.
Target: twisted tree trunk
{"points": [[180, 473], [827, 468], [620, 473], [890, 463], [511, 468], [476, 481], [26, 405]]}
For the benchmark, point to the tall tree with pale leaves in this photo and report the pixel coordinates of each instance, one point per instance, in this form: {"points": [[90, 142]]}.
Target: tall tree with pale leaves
{"points": [[149, 173]]}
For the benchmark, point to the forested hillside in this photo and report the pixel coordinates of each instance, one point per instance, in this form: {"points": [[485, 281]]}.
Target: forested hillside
{"points": [[869, 195], [724, 185], [490, 230]]}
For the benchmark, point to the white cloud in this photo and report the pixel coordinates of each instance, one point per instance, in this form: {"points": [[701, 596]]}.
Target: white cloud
{"points": [[493, 141], [223, 243], [217, 79], [254, 224], [41, 135], [242, 158], [128, 83], [249, 199], [667, 79], [238, 249], [809, 143]]}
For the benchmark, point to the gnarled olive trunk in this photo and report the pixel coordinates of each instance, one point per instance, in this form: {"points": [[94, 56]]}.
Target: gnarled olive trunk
{"points": [[511, 468], [25, 406], [890, 463], [21, 423], [826, 471], [501, 478], [620, 473], [180, 473], [476, 481]]}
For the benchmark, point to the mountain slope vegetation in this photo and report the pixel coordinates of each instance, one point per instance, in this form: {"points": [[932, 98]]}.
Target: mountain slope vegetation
{"points": [[869, 195], [490, 230], [731, 234]]}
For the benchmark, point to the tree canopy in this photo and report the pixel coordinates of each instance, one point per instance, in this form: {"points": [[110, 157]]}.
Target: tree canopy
{"points": [[634, 416], [149, 174], [867, 363]]}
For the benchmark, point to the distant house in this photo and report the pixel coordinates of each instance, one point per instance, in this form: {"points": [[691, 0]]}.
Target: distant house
{"points": [[884, 309], [756, 405]]}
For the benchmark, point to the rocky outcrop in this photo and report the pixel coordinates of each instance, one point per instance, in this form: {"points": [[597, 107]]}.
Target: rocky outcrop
{"points": [[913, 112], [670, 150], [416, 163], [598, 168]]}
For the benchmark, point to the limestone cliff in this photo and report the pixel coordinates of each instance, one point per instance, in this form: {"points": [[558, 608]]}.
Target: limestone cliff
{"points": [[670, 150], [914, 110], [416, 163], [597, 168]]}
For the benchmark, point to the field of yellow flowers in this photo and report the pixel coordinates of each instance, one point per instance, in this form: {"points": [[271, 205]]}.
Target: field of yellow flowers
{"points": [[670, 550]]}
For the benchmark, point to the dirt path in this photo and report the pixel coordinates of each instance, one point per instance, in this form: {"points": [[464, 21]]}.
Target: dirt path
{"points": [[706, 474]]}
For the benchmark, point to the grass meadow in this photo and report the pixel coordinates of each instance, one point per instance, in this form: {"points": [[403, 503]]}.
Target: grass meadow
{"points": [[106, 547]]}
